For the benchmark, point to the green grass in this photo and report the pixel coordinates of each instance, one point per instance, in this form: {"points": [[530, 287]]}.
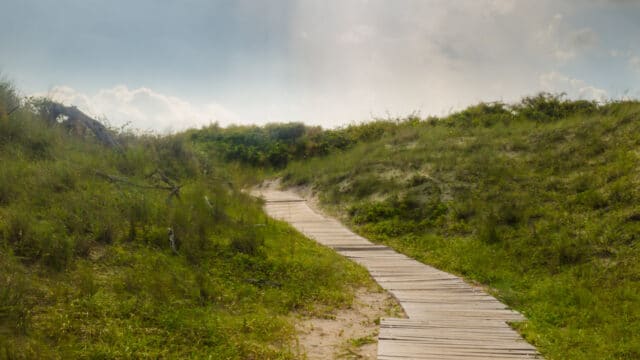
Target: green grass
{"points": [[87, 271], [539, 201]]}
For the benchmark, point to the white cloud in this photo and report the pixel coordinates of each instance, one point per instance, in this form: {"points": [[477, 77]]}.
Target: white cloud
{"points": [[143, 108], [556, 82], [367, 60]]}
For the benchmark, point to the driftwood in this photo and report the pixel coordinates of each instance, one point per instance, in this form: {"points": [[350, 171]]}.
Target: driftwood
{"points": [[174, 189], [73, 118], [170, 185]]}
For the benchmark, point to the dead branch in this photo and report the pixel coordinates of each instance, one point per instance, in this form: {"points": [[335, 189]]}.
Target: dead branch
{"points": [[164, 178], [172, 240], [174, 189], [206, 200], [13, 110]]}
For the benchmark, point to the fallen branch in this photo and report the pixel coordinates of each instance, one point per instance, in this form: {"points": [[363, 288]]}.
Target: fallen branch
{"points": [[164, 178], [174, 189], [13, 110]]}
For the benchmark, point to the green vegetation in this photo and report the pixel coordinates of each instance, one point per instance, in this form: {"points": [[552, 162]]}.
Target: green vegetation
{"points": [[539, 201], [86, 265], [275, 145]]}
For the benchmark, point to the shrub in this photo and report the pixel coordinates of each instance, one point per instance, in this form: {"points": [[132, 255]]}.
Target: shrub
{"points": [[488, 231], [483, 114], [9, 99], [546, 107], [247, 242], [372, 212]]}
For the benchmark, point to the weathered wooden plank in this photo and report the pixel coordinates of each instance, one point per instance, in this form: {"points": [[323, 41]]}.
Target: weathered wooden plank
{"points": [[448, 318]]}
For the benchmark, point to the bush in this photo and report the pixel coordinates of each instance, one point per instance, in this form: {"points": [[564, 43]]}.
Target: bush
{"points": [[488, 232], [483, 114], [546, 107], [247, 242], [372, 212], [9, 99]]}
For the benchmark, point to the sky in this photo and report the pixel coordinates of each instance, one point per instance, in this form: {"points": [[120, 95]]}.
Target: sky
{"points": [[161, 65]]}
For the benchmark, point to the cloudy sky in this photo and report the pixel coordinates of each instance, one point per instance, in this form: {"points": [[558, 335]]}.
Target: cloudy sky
{"points": [[166, 65]]}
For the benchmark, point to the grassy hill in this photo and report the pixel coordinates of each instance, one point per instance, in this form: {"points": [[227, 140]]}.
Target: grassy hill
{"points": [[539, 201], [86, 265]]}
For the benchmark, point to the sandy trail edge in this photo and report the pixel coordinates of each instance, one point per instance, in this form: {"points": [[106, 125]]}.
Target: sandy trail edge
{"points": [[350, 333]]}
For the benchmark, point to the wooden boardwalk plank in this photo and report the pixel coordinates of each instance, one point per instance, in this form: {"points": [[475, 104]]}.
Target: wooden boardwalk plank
{"points": [[447, 318]]}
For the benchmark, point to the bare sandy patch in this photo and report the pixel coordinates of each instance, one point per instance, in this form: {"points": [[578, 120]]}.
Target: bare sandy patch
{"points": [[350, 333]]}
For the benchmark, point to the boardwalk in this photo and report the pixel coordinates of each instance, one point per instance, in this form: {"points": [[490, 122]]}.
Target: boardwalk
{"points": [[447, 318]]}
